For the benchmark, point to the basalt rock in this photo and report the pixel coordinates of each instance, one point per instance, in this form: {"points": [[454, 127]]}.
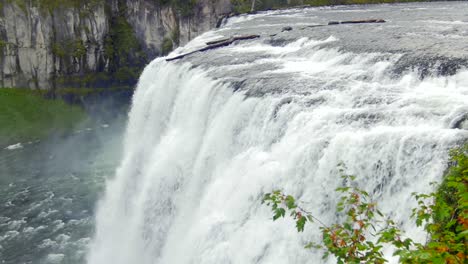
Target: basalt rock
{"points": [[215, 44], [460, 122], [93, 43], [356, 21]]}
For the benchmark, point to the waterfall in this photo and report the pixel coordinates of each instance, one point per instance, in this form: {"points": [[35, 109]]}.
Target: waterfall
{"points": [[201, 150]]}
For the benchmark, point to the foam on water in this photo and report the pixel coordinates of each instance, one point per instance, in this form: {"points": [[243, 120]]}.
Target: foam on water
{"points": [[14, 146]]}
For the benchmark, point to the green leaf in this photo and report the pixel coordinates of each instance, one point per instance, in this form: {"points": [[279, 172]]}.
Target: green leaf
{"points": [[348, 226], [279, 212], [342, 189], [313, 245], [300, 223], [463, 234], [290, 202]]}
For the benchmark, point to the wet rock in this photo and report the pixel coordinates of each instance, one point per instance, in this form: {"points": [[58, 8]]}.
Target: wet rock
{"points": [[357, 21], [237, 85], [460, 122], [215, 44], [427, 65], [216, 41], [449, 67], [312, 26], [278, 42], [224, 18], [283, 102]]}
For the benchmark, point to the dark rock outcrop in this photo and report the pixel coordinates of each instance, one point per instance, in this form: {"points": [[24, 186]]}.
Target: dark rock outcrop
{"points": [[215, 44], [357, 21], [460, 122]]}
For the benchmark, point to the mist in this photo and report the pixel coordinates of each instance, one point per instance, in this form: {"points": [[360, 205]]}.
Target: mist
{"points": [[49, 187]]}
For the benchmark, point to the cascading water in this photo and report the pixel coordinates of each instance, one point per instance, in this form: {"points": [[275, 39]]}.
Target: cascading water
{"points": [[208, 135]]}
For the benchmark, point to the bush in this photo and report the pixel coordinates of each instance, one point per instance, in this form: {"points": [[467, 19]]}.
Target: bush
{"points": [[361, 237], [166, 46]]}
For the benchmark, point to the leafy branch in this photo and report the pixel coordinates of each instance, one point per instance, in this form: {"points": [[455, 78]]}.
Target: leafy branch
{"points": [[366, 231]]}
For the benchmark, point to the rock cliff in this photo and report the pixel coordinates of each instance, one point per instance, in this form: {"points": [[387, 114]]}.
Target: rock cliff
{"points": [[48, 44]]}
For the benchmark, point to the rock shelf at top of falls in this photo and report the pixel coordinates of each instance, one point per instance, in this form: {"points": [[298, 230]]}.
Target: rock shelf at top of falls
{"points": [[228, 41], [429, 41]]}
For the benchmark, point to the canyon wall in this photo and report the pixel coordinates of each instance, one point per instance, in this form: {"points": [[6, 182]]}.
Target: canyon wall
{"points": [[48, 44]]}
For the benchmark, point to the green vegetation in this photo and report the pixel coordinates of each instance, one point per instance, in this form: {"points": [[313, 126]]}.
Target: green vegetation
{"points": [[185, 8], [166, 46], [3, 44], [122, 48], [123, 58], [444, 214], [71, 47], [365, 231], [65, 92], [175, 36], [26, 115], [51, 5]]}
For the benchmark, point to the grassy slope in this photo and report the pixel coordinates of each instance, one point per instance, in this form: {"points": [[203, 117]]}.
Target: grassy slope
{"points": [[25, 115]]}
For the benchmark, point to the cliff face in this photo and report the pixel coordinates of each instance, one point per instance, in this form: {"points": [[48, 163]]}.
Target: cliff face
{"points": [[95, 43]]}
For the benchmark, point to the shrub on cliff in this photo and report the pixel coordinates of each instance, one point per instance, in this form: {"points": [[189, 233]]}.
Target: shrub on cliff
{"points": [[361, 237]]}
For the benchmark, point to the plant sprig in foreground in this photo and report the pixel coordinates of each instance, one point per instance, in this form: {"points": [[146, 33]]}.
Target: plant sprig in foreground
{"points": [[366, 231]]}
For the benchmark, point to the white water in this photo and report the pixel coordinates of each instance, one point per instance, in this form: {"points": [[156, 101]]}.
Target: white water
{"points": [[198, 156]]}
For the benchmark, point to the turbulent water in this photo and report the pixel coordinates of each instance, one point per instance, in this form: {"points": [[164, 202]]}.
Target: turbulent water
{"points": [[48, 191], [209, 134]]}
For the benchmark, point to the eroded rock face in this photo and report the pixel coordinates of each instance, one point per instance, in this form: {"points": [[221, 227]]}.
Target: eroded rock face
{"points": [[71, 46]]}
